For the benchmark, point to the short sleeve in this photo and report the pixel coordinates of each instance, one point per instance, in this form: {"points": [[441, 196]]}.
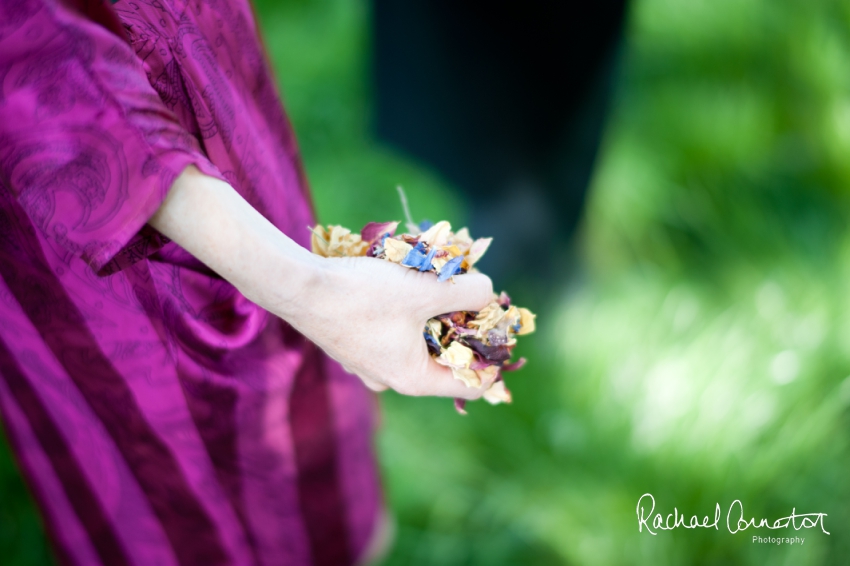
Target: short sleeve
{"points": [[86, 145]]}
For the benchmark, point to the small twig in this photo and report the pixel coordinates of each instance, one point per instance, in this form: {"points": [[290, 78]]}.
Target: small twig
{"points": [[313, 230], [412, 227]]}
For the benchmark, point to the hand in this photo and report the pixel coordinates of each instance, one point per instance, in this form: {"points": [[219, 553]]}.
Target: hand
{"points": [[369, 315]]}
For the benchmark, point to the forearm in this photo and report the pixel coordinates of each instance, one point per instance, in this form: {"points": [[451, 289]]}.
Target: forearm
{"points": [[210, 220]]}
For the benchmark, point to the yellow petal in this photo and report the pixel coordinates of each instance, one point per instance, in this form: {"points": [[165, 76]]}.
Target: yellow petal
{"points": [[336, 242], [319, 240], [453, 250], [526, 321]]}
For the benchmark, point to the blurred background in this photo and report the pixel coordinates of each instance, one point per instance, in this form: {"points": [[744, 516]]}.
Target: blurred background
{"points": [[699, 348]]}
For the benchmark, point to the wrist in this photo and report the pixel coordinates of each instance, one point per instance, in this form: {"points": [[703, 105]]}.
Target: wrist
{"points": [[296, 278]]}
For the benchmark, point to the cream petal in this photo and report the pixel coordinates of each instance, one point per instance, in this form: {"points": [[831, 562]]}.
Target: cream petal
{"points": [[396, 250], [467, 376], [477, 250], [488, 318], [437, 235], [457, 356], [497, 393]]}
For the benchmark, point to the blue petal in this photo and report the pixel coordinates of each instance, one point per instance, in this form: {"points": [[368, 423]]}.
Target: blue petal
{"points": [[384, 239], [420, 247], [413, 258], [425, 224], [426, 263], [452, 266], [433, 345]]}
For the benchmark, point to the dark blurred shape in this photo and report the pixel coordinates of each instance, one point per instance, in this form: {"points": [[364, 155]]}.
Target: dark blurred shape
{"points": [[508, 103]]}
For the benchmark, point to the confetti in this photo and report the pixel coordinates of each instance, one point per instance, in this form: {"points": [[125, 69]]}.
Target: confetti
{"points": [[475, 346]]}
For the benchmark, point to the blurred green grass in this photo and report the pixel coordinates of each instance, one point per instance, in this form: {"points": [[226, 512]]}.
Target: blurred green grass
{"points": [[702, 355]]}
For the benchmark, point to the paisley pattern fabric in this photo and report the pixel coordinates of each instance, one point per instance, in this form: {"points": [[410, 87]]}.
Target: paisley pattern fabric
{"points": [[158, 416]]}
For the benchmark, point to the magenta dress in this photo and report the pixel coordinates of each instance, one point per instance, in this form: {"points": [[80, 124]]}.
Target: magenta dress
{"points": [[158, 416]]}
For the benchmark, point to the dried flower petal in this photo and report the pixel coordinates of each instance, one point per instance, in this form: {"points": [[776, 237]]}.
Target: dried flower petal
{"points": [[319, 241], [434, 347], [498, 354], [477, 250], [460, 405], [526, 321], [462, 239], [488, 373], [436, 235], [497, 393], [467, 376], [396, 250], [426, 263], [440, 261], [414, 258], [475, 346], [450, 268], [373, 230], [456, 356], [488, 318], [515, 365]]}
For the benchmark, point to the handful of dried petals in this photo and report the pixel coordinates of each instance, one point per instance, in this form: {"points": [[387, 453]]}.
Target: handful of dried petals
{"points": [[476, 346]]}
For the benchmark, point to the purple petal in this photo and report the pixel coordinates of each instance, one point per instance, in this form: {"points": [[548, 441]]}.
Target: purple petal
{"points": [[492, 353], [373, 230], [514, 366], [459, 406]]}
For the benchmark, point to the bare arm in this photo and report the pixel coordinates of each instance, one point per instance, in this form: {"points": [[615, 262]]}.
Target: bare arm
{"points": [[366, 313]]}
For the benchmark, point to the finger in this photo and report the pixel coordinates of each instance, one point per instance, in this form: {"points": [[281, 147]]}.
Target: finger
{"points": [[469, 292], [439, 381]]}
